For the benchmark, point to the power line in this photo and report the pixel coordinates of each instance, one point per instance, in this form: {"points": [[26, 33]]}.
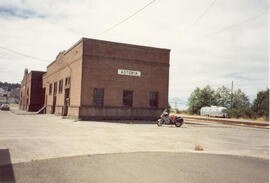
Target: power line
{"points": [[201, 15], [106, 30], [238, 24], [126, 19], [24, 55]]}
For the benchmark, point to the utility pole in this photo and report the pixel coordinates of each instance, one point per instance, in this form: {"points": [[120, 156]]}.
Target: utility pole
{"points": [[231, 95]]}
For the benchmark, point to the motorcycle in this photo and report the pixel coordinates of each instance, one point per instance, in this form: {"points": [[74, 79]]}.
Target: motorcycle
{"points": [[167, 119]]}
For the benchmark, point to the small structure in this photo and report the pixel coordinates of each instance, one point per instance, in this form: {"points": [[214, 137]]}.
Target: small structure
{"points": [[214, 111]]}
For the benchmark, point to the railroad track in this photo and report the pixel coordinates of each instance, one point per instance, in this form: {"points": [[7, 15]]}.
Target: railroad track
{"points": [[228, 121]]}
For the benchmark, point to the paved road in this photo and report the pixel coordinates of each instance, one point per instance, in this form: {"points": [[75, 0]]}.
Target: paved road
{"points": [[142, 167], [37, 137]]}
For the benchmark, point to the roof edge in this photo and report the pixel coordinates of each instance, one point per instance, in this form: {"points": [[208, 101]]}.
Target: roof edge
{"points": [[127, 44], [65, 52]]}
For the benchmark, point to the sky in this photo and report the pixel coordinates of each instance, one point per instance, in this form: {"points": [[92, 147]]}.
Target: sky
{"points": [[212, 42]]}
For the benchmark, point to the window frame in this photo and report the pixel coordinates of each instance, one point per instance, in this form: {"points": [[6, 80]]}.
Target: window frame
{"points": [[97, 99], [55, 88], [153, 102], [125, 98], [50, 89], [67, 80], [60, 86]]}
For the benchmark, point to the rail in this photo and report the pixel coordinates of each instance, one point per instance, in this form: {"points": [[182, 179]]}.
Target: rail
{"points": [[227, 121]]}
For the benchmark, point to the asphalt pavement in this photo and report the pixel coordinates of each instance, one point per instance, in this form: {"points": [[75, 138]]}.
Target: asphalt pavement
{"points": [[47, 148], [143, 167]]}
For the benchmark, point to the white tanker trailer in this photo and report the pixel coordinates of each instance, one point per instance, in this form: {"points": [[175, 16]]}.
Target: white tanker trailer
{"points": [[214, 111]]}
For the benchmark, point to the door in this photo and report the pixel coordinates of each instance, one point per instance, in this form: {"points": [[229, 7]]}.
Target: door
{"points": [[66, 102], [54, 103]]}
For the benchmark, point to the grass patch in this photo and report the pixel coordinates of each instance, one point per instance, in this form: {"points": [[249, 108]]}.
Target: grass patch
{"points": [[13, 105], [198, 147], [76, 120]]}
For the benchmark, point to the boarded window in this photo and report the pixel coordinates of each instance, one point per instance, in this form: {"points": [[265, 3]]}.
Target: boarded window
{"points": [[98, 96], [153, 102], [61, 86], [127, 98], [50, 89]]}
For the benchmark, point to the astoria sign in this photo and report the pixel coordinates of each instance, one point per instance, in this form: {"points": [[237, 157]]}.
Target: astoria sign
{"points": [[129, 72]]}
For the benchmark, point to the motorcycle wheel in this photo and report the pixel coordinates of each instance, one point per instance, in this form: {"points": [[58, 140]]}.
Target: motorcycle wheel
{"points": [[178, 123], [159, 122]]}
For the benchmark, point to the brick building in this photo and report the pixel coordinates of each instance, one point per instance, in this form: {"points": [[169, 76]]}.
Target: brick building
{"points": [[97, 79], [31, 91]]}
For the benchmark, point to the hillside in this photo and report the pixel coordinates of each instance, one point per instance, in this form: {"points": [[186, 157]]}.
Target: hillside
{"points": [[9, 86]]}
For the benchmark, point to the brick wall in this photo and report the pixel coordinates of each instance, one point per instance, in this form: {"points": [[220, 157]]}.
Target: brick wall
{"points": [[101, 61], [31, 91], [67, 64]]}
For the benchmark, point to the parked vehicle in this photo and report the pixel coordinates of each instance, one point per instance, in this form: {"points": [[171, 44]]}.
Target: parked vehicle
{"points": [[4, 107], [167, 119], [214, 111]]}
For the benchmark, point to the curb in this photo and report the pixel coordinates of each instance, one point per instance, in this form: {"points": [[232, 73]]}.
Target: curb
{"points": [[19, 112]]}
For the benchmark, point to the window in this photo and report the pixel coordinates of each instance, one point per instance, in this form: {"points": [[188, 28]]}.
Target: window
{"points": [[98, 96], [127, 98], [55, 88], [50, 89], [61, 86], [67, 81], [153, 102]]}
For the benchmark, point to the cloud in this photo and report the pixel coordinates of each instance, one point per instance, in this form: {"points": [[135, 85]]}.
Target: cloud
{"points": [[239, 54], [9, 11]]}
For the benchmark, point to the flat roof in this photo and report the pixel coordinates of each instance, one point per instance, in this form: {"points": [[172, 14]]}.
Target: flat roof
{"points": [[110, 42], [127, 44]]}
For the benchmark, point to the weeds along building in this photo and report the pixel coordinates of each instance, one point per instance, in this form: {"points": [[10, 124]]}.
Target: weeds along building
{"points": [[97, 79]]}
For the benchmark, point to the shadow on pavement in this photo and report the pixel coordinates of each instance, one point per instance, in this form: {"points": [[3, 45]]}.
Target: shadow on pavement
{"points": [[122, 121], [6, 168], [198, 124], [145, 167]]}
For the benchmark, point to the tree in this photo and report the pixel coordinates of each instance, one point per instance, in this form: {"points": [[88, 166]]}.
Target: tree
{"points": [[170, 108], [194, 101], [260, 105], [200, 98], [223, 96], [9, 86], [240, 105]]}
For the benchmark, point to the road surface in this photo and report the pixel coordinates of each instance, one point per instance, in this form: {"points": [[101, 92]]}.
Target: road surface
{"points": [[144, 168], [35, 148]]}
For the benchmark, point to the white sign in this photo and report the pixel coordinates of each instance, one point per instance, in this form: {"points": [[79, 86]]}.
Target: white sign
{"points": [[129, 72]]}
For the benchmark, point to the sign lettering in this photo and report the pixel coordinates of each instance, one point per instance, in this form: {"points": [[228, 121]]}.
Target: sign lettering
{"points": [[129, 72]]}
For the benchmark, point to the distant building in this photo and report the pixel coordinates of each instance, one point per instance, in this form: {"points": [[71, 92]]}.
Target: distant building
{"points": [[31, 96], [3, 92], [97, 79], [15, 93], [3, 100]]}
